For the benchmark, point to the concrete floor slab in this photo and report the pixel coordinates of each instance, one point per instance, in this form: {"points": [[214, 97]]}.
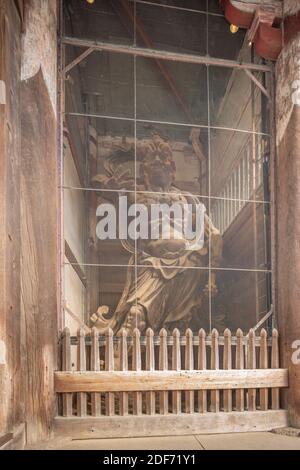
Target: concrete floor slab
{"points": [[236, 441], [249, 441], [138, 443]]}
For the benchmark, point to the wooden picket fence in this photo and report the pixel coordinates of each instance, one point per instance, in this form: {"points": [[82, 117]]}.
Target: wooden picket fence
{"points": [[143, 385]]}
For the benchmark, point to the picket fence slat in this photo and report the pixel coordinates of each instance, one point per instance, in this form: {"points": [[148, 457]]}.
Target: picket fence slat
{"points": [[81, 366], [239, 364], [150, 365], [176, 365], [275, 365], [123, 367], [263, 364], [215, 394], [202, 394], [163, 365], [251, 365], [227, 364], [136, 366], [95, 366], [67, 398], [109, 366]]}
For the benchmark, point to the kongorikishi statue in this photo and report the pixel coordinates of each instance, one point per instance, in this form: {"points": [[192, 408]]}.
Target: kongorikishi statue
{"points": [[163, 285]]}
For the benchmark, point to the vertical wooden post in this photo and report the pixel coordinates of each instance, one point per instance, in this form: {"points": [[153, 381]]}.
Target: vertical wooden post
{"points": [[81, 366], [150, 365], [163, 365], [239, 364], [263, 364], [123, 367], [136, 365], [189, 365], [202, 394], [66, 365], [275, 365], [251, 365], [95, 366], [176, 365], [109, 366], [227, 365], [215, 394]]}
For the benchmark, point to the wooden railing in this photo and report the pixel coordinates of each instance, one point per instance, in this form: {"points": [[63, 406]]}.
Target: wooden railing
{"points": [[170, 375]]}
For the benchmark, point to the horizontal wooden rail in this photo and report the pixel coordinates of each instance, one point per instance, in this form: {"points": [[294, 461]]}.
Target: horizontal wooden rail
{"points": [[114, 381], [178, 424], [170, 341]]}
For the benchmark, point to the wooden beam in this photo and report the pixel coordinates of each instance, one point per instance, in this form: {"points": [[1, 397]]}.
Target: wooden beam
{"points": [[116, 381], [165, 55], [156, 425], [73, 261], [258, 84], [78, 59]]}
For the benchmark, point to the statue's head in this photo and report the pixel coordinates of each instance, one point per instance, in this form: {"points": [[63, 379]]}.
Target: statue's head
{"points": [[158, 167]]}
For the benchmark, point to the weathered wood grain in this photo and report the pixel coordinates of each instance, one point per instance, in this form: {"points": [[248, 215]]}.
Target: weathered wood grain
{"points": [[176, 365], [275, 365], [95, 366], [202, 394], [66, 365], [124, 367], [131, 381], [184, 424], [163, 366], [215, 394], [150, 365], [239, 364]]}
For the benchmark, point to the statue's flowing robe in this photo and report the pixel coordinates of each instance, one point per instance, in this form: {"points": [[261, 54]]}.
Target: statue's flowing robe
{"points": [[167, 289]]}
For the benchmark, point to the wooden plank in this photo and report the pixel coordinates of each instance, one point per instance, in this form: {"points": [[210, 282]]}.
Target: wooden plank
{"points": [[95, 366], [239, 365], [109, 367], [164, 55], [227, 365], [163, 365], [13, 376], [263, 364], [66, 365], [124, 367], [40, 231], [150, 365], [189, 365], [251, 364], [136, 366], [176, 365], [275, 365], [169, 380], [81, 366], [157, 425], [215, 394], [202, 394], [18, 440], [5, 438]]}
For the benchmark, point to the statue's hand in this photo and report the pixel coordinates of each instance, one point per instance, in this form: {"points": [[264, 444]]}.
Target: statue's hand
{"points": [[119, 180], [169, 249]]}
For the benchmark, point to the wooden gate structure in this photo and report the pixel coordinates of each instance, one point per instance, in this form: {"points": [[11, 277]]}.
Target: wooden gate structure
{"points": [[169, 384]]}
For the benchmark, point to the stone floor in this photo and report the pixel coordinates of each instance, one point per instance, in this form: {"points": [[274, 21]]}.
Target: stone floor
{"points": [[237, 441]]}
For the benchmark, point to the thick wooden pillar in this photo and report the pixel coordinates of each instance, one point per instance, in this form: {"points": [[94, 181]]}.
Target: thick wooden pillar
{"points": [[288, 210], [39, 216], [11, 395]]}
